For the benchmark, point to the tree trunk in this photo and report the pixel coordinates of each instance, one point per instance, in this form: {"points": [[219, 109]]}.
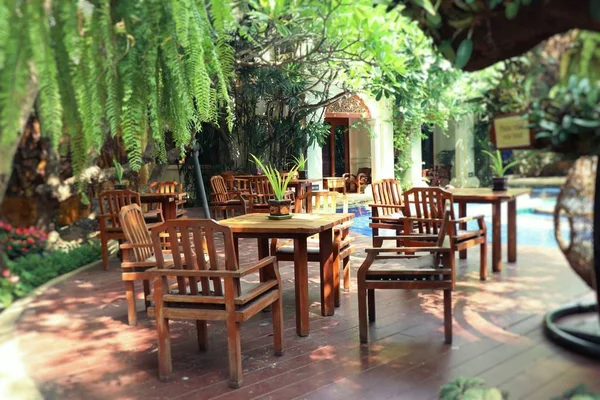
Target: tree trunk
{"points": [[7, 153]]}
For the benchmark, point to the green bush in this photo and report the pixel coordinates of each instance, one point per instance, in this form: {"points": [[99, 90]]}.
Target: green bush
{"points": [[28, 272]]}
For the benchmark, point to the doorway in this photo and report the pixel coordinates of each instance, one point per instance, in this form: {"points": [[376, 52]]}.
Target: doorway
{"points": [[336, 151]]}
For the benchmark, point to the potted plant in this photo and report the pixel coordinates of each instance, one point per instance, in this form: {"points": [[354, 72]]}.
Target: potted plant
{"points": [[279, 207], [499, 181], [300, 163], [119, 175]]}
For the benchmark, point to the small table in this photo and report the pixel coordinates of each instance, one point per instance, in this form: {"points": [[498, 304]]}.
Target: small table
{"points": [[168, 201], [462, 197], [334, 183], [299, 228]]}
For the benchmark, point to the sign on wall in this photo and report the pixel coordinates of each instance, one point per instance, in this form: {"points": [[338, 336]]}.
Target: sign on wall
{"points": [[510, 131]]}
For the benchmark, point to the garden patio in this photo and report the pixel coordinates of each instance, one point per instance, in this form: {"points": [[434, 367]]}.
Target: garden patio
{"points": [[74, 342]]}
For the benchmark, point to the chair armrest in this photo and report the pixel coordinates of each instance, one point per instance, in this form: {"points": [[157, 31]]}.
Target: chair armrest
{"points": [[361, 178], [413, 219], [399, 206], [378, 250], [127, 246], [464, 220], [407, 237], [106, 216], [270, 260]]}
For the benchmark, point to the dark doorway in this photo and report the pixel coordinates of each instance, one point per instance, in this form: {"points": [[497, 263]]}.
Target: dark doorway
{"points": [[336, 151], [427, 154]]}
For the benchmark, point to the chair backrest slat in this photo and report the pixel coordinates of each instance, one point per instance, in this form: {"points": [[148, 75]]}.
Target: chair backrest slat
{"points": [[112, 201], [387, 191], [260, 185], [134, 227], [219, 188], [320, 203], [191, 241], [428, 202]]}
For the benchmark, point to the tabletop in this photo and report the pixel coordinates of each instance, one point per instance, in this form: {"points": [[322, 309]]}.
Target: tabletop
{"points": [[300, 223], [308, 180], [157, 197], [487, 194]]}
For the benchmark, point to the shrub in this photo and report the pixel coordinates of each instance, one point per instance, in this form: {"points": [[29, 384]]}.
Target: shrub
{"points": [[26, 273], [18, 242]]}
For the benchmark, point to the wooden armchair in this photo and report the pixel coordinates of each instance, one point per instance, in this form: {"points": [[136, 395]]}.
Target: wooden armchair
{"points": [[138, 255], [357, 183], [388, 206], [261, 192], [323, 203], [235, 184], [423, 204], [402, 268], [169, 187], [210, 291], [110, 203], [224, 200]]}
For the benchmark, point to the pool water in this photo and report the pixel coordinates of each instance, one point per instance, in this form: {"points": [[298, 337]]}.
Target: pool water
{"points": [[534, 228]]}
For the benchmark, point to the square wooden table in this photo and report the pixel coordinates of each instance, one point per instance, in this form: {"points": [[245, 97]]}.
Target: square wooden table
{"points": [[298, 228], [168, 201], [462, 197]]}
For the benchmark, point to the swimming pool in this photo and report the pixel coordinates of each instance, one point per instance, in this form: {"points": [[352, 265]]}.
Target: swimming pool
{"points": [[534, 228]]}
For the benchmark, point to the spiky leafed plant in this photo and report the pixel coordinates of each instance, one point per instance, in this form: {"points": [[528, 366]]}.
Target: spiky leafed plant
{"points": [[134, 69]]}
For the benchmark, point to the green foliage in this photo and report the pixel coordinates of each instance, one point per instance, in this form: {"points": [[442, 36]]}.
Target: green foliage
{"points": [[17, 242], [118, 171], [278, 183], [497, 164], [469, 389], [568, 120], [138, 70], [300, 162], [28, 272]]}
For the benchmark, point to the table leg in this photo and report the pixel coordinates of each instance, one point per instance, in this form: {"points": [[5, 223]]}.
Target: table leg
{"points": [[301, 286], [496, 236], [462, 212], [326, 251], [263, 251], [512, 230], [169, 209]]}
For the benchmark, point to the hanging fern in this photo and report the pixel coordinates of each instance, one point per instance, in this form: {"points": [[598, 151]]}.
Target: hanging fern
{"points": [[131, 69]]}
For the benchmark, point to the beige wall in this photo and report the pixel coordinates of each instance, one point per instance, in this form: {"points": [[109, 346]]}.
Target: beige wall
{"points": [[360, 146]]}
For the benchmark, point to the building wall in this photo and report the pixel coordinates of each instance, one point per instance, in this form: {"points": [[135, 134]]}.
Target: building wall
{"points": [[360, 145]]}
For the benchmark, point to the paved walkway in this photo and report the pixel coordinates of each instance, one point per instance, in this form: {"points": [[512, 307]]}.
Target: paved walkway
{"points": [[74, 341]]}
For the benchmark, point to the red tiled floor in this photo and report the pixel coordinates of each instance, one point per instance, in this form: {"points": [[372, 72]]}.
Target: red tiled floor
{"points": [[76, 343]]}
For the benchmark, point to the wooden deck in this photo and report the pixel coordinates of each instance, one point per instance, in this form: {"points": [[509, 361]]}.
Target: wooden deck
{"points": [[75, 342]]}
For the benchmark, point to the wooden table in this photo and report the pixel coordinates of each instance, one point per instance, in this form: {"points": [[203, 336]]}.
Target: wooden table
{"points": [[334, 183], [299, 228], [168, 201], [302, 185], [462, 197]]}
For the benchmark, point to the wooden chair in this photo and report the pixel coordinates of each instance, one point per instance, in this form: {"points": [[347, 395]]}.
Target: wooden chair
{"points": [[401, 268], [223, 200], [235, 184], [260, 194], [428, 203], [138, 255], [210, 291], [110, 203], [357, 183], [168, 187], [323, 203], [388, 206]]}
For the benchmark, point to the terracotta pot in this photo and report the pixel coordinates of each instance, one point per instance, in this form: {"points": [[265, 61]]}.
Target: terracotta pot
{"points": [[302, 174], [499, 184], [279, 208]]}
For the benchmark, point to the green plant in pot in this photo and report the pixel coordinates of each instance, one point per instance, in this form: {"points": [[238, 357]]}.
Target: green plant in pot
{"points": [[279, 207], [300, 163], [120, 185], [499, 169]]}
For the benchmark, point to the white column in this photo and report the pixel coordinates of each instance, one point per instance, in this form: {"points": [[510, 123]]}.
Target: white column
{"points": [[315, 161], [415, 172], [464, 158]]}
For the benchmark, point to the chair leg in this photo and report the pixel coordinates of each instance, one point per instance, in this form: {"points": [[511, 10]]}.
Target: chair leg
{"points": [[448, 315], [202, 333], [146, 293], [483, 262], [277, 310], [379, 242], [371, 296], [130, 295], [347, 274], [104, 246], [165, 365], [235, 353], [362, 313], [462, 254], [336, 281]]}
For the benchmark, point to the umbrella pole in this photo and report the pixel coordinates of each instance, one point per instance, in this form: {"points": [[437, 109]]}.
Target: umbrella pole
{"points": [[200, 192]]}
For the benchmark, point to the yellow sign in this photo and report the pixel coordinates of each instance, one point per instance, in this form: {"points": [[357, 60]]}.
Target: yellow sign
{"points": [[512, 132]]}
